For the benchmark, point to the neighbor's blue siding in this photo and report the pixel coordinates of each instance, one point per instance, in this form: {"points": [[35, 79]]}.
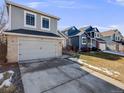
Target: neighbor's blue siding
{"points": [[75, 41]]}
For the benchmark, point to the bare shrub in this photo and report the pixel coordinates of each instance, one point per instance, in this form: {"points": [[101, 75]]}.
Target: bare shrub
{"points": [[10, 89]]}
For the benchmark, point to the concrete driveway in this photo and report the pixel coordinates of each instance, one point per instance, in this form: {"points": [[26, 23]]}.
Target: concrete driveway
{"points": [[62, 76]]}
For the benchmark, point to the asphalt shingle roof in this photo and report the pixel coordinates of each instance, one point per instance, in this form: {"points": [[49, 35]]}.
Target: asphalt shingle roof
{"points": [[32, 32], [108, 33], [89, 29]]}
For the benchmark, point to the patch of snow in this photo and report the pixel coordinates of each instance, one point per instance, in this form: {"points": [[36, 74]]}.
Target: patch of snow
{"points": [[1, 76], [7, 82], [105, 70], [73, 59], [10, 71]]}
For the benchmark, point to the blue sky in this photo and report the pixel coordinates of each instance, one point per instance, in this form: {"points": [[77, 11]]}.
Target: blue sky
{"points": [[105, 14]]}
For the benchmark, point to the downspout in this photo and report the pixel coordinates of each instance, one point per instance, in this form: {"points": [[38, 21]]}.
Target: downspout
{"points": [[80, 41], [91, 43]]}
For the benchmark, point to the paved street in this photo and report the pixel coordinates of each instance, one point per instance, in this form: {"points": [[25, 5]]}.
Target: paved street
{"points": [[62, 76]]}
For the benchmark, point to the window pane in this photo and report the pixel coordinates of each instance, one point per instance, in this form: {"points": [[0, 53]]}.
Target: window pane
{"points": [[30, 19], [45, 23], [84, 40], [92, 34], [98, 35]]}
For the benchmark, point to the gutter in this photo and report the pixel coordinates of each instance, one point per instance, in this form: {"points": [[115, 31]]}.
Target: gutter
{"points": [[25, 35]]}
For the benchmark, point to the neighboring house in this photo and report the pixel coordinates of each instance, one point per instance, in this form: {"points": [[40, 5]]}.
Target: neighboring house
{"points": [[32, 34], [87, 37], [65, 39], [93, 39], [114, 40], [68, 32], [79, 40]]}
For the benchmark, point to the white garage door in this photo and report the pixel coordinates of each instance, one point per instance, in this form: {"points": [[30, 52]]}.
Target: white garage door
{"points": [[37, 49], [102, 46]]}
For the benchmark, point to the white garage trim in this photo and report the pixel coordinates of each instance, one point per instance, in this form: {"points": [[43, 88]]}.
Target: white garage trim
{"points": [[15, 34]]}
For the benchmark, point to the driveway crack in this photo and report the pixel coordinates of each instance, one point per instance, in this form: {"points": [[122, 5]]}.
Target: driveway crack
{"points": [[72, 79]]}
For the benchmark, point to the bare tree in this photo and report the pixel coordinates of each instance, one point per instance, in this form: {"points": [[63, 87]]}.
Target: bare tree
{"points": [[3, 16]]}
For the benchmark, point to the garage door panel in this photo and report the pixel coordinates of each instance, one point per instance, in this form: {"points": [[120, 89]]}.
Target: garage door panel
{"points": [[102, 46], [36, 49]]}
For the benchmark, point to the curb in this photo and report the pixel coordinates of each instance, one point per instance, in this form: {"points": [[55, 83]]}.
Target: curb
{"points": [[104, 77]]}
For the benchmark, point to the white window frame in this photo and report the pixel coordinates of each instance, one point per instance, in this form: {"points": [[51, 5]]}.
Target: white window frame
{"points": [[118, 38], [26, 25], [48, 29], [10, 14], [82, 40], [98, 35]]}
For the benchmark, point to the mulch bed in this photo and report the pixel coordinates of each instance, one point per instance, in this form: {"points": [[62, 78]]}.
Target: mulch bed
{"points": [[16, 77]]}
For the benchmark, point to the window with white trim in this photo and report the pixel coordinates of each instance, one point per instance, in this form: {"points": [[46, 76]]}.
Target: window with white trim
{"points": [[118, 38], [45, 23], [84, 40], [30, 19], [98, 35]]}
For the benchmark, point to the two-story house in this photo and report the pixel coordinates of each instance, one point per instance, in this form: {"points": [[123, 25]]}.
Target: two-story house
{"points": [[74, 37], [114, 40], [32, 34], [85, 38], [93, 39]]}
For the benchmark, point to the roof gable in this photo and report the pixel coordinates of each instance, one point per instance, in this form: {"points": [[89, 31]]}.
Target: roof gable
{"points": [[70, 31], [30, 9], [89, 29], [110, 32]]}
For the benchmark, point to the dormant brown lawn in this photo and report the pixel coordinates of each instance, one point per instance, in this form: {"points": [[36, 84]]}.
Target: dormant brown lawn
{"points": [[110, 62]]}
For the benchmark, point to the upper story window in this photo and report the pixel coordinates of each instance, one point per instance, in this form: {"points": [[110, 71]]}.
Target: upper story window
{"points": [[45, 23], [117, 38], [98, 35], [84, 41], [30, 19], [92, 34]]}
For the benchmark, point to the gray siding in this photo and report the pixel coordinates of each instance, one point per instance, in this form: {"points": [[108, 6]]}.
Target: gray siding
{"points": [[80, 42], [17, 20], [108, 39]]}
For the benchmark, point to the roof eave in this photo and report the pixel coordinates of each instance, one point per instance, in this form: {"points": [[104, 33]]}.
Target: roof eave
{"points": [[30, 9], [27, 35]]}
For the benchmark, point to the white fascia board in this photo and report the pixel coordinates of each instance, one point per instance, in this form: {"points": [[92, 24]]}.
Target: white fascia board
{"points": [[16, 34]]}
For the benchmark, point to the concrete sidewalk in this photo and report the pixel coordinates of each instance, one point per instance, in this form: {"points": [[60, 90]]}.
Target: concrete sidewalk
{"points": [[116, 53]]}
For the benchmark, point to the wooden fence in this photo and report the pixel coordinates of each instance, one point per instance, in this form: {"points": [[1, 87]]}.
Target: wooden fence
{"points": [[3, 49]]}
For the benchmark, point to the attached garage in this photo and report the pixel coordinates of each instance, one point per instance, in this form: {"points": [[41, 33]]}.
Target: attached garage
{"points": [[22, 47], [38, 48], [102, 46]]}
